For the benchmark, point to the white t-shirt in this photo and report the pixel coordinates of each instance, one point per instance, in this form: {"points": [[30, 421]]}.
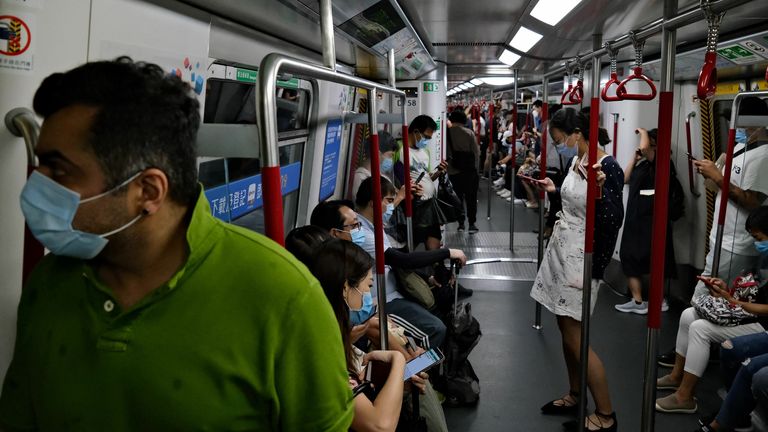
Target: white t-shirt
{"points": [[419, 164], [749, 172], [482, 127]]}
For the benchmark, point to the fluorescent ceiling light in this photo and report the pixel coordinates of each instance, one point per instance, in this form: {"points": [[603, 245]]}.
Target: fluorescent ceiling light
{"points": [[509, 58], [463, 87], [469, 84], [475, 81], [525, 39], [552, 11], [498, 81]]}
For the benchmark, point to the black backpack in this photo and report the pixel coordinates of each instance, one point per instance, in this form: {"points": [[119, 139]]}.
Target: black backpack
{"points": [[458, 380]]}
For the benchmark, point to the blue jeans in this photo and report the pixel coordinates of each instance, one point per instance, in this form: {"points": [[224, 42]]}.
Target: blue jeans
{"points": [[743, 347], [750, 381]]}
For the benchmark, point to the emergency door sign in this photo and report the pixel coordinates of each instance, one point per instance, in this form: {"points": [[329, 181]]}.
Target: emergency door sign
{"points": [[15, 43]]}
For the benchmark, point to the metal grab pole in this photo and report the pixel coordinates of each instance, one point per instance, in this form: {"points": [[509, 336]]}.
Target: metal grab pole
{"points": [[660, 213], [589, 235], [615, 133], [488, 153], [542, 196], [378, 221], [327, 34], [407, 181], [513, 168]]}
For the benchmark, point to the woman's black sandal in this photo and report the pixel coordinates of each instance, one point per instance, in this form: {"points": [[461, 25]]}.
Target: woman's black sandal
{"points": [[573, 424], [550, 408]]}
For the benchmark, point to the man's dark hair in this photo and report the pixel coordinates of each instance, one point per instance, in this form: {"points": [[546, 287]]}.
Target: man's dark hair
{"points": [[457, 117], [754, 106], [146, 119], [365, 192], [327, 214], [758, 220], [421, 124], [303, 242], [538, 103], [386, 143]]}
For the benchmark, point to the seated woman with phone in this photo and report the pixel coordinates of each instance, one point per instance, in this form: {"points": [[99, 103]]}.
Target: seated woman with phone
{"points": [[344, 270], [722, 315]]}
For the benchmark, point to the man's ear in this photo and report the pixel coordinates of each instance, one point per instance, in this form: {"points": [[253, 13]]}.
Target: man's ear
{"points": [[154, 190]]}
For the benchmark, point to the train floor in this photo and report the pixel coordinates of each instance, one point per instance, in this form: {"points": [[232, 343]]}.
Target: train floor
{"points": [[521, 368]]}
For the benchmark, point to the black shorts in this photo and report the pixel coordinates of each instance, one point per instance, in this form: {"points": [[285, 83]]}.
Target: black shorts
{"points": [[420, 234]]}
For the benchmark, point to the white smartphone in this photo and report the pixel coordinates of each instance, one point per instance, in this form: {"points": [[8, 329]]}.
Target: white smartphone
{"points": [[423, 362]]}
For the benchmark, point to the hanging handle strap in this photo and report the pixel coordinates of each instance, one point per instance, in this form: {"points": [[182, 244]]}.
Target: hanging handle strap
{"points": [[565, 99], [614, 80], [707, 85], [636, 75], [577, 94]]}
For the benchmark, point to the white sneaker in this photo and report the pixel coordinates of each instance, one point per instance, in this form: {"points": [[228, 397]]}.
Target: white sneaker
{"points": [[502, 191], [505, 194], [631, 306], [499, 181], [664, 306], [520, 201]]}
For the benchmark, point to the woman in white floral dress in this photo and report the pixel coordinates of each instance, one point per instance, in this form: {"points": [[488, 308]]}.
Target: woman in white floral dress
{"points": [[558, 285]]}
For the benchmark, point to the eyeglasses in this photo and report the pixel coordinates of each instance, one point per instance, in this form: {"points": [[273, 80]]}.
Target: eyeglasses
{"points": [[354, 226]]}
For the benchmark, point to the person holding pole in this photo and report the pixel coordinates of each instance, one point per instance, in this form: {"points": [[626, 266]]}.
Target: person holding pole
{"points": [[558, 285]]}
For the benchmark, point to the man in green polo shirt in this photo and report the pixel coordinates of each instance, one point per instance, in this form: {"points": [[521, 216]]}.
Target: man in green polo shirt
{"points": [[150, 314]]}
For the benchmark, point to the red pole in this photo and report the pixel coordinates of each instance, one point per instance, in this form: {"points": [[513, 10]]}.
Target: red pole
{"points": [[725, 188], [594, 131], [378, 222], [273, 204], [407, 173], [490, 130], [660, 209]]}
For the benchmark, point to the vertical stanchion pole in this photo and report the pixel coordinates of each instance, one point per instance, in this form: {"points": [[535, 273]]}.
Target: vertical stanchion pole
{"points": [[513, 167], [660, 221], [378, 222], [327, 34], [615, 133], [488, 152], [542, 174], [589, 234], [407, 181]]}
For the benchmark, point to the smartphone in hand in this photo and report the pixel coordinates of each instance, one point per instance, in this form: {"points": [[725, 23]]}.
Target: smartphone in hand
{"points": [[691, 158]]}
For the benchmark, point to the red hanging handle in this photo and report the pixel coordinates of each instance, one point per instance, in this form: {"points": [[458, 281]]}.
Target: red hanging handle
{"points": [[707, 84], [766, 74], [637, 75], [577, 94], [565, 98], [604, 93]]}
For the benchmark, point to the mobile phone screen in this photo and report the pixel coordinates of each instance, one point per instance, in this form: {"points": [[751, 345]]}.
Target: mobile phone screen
{"points": [[422, 362], [421, 176]]}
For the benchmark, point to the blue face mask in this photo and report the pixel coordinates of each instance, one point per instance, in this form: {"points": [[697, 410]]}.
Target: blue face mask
{"points": [[388, 213], [741, 135], [359, 316], [49, 209], [358, 236], [387, 164], [565, 151], [422, 143], [762, 247]]}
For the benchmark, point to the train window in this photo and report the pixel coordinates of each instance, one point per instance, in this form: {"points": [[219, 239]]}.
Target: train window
{"points": [[234, 102]]}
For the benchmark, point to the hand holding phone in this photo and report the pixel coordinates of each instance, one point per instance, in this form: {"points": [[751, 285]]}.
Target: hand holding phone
{"points": [[421, 176], [690, 157], [422, 363]]}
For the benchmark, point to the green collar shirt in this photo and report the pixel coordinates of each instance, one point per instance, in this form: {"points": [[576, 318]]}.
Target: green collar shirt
{"points": [[240, 338]]}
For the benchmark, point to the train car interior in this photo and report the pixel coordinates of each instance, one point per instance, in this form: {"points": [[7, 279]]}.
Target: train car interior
{"points": [[296, 95]]}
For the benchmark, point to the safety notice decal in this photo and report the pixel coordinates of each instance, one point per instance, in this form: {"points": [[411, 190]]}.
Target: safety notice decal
{"points": [[16, 48]]}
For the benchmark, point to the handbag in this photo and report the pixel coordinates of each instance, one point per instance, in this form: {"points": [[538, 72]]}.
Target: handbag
{"points": [[413, 287], [449, 202], [720, 311]]}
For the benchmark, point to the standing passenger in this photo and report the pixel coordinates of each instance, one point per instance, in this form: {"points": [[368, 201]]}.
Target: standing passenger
{"points": [[149, 313], [387, 147], [463, 157], [559, 283], [635, 250]]}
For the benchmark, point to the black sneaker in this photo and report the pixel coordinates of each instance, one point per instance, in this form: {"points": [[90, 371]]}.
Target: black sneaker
{"points": [[666, 359], [473, 229], [465, 292], [461, 228]]}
